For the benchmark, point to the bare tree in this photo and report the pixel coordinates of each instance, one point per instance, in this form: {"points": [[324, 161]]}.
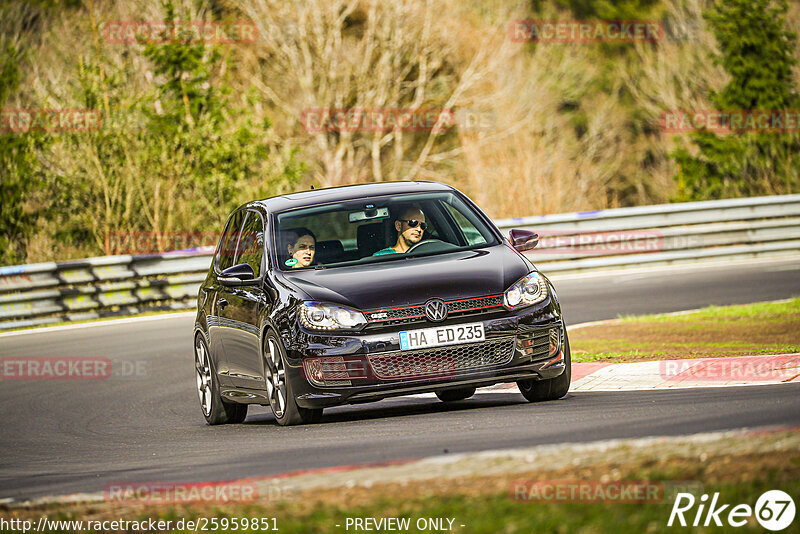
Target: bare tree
{"points": [[364, 56]]}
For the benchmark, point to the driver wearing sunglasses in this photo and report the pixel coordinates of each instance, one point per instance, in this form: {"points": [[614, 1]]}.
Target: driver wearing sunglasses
{"points": [[410, 226]]}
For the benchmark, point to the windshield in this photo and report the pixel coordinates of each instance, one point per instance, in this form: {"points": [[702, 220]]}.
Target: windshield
{"points": [[377, 229]]}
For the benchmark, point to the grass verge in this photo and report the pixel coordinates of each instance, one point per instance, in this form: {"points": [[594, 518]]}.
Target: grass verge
{"points": [[716, 331]]}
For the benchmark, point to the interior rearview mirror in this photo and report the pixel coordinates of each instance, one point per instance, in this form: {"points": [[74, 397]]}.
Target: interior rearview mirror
{"points": [[369, 213]]}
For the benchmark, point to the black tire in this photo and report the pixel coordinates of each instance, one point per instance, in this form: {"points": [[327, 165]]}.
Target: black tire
{"points": [[216, 410], [279, 388], [452, 395], [550, 389]]}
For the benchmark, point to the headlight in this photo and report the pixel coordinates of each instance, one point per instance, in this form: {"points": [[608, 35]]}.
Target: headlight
{"points": [[527, 291], [321, 316]]}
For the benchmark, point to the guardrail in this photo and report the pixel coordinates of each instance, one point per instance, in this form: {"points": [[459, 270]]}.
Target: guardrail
{"points": [[46, 293], [664, 234]]}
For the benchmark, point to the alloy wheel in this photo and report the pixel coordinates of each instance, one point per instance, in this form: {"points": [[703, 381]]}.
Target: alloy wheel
{"points": [[203, 375], [275, 378]]}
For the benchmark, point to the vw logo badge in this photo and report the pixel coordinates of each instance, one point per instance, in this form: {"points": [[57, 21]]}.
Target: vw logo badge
{"points": [[436, 310]]}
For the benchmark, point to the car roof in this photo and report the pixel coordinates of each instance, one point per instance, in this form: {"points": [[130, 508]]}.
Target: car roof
{"points": [[348, 192]]}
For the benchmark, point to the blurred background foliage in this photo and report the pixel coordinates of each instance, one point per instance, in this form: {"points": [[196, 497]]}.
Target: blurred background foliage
{"points": [[192, 129]]}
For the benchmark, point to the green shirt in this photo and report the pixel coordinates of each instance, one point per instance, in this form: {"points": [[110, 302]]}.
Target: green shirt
{"points": [[387, 250]]}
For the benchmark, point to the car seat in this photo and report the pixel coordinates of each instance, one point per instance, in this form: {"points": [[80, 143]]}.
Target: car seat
{"points": [[371, 238], [330, 251]]}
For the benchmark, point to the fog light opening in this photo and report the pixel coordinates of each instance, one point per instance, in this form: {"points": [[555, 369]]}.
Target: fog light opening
{"points": [[333, 371]]}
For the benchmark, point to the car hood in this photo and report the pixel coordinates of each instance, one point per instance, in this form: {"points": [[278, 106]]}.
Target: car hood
{"points": [[472, 273]]}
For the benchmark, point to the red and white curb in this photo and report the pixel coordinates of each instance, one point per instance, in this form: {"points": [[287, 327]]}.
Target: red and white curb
{"points": [[689, 373]]}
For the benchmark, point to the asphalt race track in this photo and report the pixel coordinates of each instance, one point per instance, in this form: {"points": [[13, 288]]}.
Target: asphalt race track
{"points": [[61, 437]]}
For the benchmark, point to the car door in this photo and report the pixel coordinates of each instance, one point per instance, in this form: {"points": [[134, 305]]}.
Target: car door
{"points": [[223, 258], [242, 338]]}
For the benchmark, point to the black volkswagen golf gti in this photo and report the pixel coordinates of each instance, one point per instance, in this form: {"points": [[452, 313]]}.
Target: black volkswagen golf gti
{"points": [[357, 293]]}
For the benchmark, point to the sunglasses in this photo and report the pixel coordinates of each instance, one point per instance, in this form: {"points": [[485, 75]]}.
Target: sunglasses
{"points": [[412, 223]]}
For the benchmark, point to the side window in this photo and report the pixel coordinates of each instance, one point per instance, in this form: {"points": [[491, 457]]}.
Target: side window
{"points": [[471, 234], [251, 243], [226, 250]]}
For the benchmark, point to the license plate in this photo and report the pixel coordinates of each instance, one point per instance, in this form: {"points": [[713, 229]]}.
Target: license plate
{"points": [[439, 336]]}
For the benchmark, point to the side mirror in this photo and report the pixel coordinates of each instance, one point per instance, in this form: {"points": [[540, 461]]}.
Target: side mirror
{"points": [[238, 275], [523, 240]]}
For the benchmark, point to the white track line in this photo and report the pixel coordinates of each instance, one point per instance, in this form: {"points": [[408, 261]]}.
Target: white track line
{"points": [[101, 322], [679, 266]]}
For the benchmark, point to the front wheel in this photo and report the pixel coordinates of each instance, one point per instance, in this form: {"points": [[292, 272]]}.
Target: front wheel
{"points": [[216, 410], [552, 388], [279, 387]]}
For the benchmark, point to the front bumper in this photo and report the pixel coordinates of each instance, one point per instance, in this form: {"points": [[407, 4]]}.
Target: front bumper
{"points": [[517, 347]]}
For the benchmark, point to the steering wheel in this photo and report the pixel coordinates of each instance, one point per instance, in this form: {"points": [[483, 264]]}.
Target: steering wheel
{"points": [[430, 245]]}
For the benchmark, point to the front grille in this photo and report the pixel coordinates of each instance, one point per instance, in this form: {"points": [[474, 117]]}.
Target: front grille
{"points": [[455, 306], [442, 362], [395, 313], [408, 314]]}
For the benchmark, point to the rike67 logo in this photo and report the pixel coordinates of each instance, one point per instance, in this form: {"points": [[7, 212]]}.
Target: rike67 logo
{"points": [[774, 510]]}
